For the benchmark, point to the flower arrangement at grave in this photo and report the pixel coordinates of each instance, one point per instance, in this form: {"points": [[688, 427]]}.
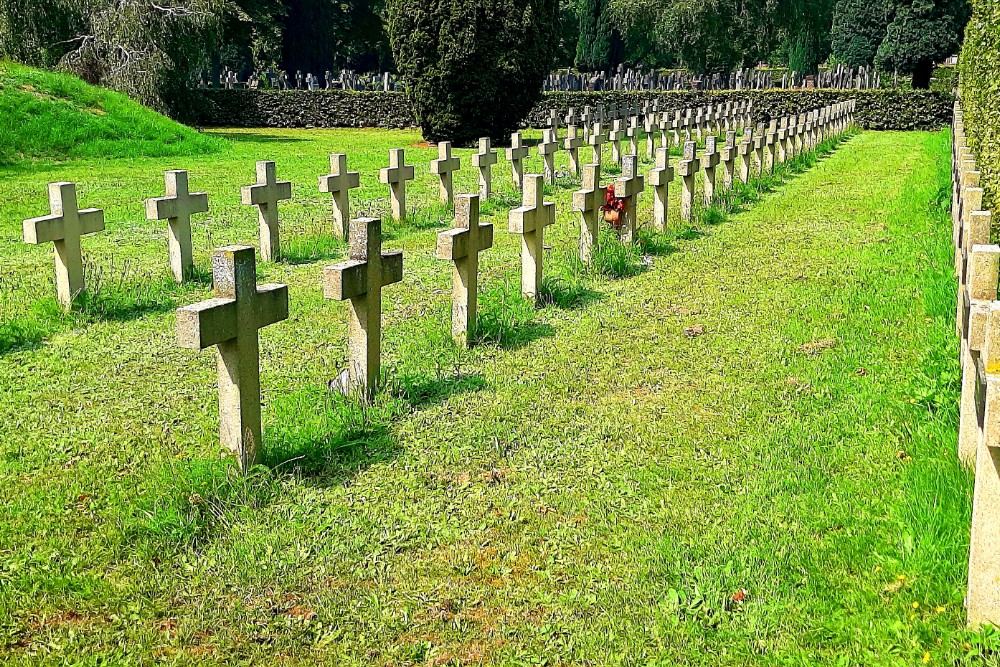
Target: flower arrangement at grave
{"points": [[614, 209]]}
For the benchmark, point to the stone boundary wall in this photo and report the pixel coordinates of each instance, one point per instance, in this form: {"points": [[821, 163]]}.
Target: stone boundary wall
{"points": [[876, 109]]}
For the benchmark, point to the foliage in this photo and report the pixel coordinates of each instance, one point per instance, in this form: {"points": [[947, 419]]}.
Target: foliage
{"points": [[470, 70], [56, 116], [921, 34], [859, 26], [980, 87], [599, 41], [321, 34]]}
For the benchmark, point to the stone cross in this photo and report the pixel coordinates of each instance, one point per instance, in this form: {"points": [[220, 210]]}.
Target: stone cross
{"points": [[265, 195], [771, 140], [587, 119], [587, 201], [360, 280], [462, 246], [516, 154], [633, 135], [709, 161], [484, 161], [339, 183], [597, 139], [572, 143], [530, 221], [688, 168], [743, 151], [63, 228], [395, 176], [177, 208], [230, 322], [979, 276], [729, 160], [617, 134], [759, 142], [782, 138], [547, 149], [650, 127], [981, 600], [628, 187], [660, 179], [444, 167]]}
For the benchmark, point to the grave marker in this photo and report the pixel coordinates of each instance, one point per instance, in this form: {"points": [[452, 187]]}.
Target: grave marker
{"points": [[395, 176], [444, 167], [628, 187], [516, 154], [572, 143], [63, 227], [462, 246], [177, 208], [529, 221], [729, 160], [617, 134], [660, 178], [709, 160], [360, 280], [587, 201], [688, 169], [231, 322], [484, 161], [339, 183], [597, 139], [547, 149], [265, 195]]}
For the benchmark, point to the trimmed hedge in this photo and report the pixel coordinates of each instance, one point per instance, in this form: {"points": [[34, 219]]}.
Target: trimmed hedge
{"points": [[979, 64], [877, 109]]}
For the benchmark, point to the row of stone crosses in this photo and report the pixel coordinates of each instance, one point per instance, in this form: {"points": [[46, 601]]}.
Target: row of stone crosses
{"points": [[977, 265], [229, 79], [231, 320]]}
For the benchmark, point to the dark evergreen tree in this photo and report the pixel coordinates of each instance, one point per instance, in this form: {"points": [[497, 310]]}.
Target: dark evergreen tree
{"points": [[921, 34], [473, 68], [859, 26], [595, 43]]}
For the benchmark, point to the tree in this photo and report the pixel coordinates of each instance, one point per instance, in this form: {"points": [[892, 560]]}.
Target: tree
{"points": [[597, 40], [859, 26], [473, 68], [921, 34], [807, 27]]}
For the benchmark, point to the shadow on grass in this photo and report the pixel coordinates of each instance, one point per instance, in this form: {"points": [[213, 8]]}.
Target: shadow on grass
{"points": [[312, 247], [254, 138], [506, 318]]}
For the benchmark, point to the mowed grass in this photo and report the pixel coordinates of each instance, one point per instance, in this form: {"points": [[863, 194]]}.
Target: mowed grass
{"points": [[741, 453], [47, 115]]}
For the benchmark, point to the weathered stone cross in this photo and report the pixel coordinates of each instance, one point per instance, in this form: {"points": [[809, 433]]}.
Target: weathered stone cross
{"points": [[632, 132], [729, 160], [462, 245], [660, 178], [360, 280], [772, 147], [688, 168], [782, 139], [515, 155], [709, 160], [230, 322], [587, 201], [265, 195], [177, 208], [484, 161], [759, 142], [572, 143], [395, 176], [650, 126], [63, 228], [444, 167], [744, 149], [339, 183], [547, 149], [617, 134], [597, 139], [628, 187], [530, 221]]}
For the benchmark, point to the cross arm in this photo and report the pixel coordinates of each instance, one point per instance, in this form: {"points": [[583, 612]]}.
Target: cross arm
{"points": [[659, 177], [628, 187], [205, 324], [44, 229], [453, 244], [271, 304], [345, 280]]}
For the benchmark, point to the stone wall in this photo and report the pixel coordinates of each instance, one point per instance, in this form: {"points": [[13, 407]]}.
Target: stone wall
{"points": [[877, 109]]}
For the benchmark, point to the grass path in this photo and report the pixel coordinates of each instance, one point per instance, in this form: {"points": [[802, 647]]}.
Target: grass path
{"points": [[769, 408]]}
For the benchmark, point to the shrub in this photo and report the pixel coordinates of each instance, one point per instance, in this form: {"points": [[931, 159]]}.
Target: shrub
{"points": [[979, 64], [472, 68]]}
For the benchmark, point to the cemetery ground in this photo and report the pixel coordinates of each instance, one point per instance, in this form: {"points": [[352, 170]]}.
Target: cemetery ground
{"points": [[742, 453]]}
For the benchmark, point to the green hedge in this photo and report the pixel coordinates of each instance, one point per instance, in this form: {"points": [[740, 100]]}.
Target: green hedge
{"points": [[877, 109], [980, 86]]}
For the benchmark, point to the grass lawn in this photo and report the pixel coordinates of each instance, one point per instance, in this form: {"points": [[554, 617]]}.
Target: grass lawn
{"points": [[742, 454]]}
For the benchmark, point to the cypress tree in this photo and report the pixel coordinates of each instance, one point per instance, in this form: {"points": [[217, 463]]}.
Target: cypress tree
{"points": [[473, 68]]}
